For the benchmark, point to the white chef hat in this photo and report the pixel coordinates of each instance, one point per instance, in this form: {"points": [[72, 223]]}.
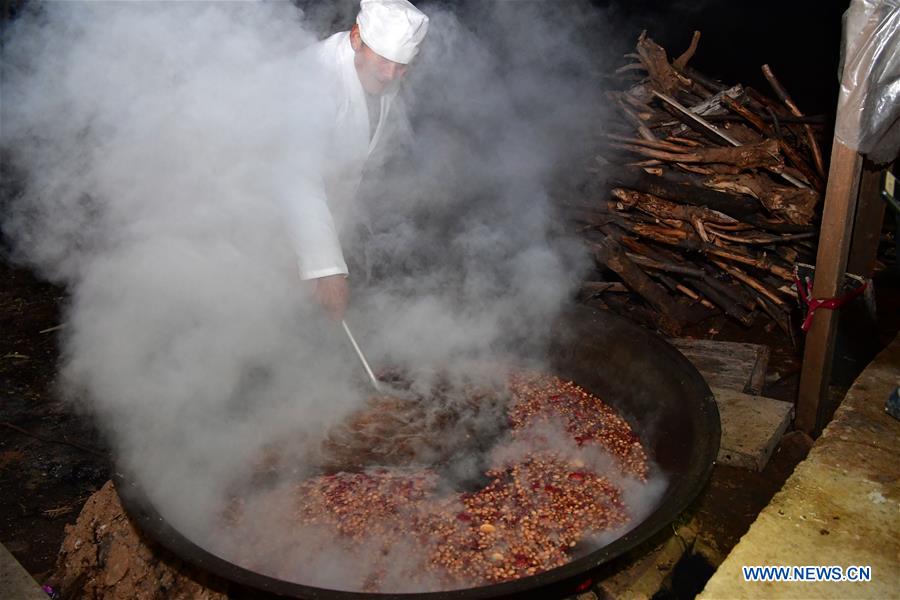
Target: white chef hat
{"points": [[392, 28]]}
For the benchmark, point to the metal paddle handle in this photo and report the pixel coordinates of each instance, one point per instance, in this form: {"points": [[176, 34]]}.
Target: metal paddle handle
{"points": [[362, 357]]}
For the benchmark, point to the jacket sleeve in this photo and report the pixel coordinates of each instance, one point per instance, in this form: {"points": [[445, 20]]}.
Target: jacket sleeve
{"points": [[313, 233]]}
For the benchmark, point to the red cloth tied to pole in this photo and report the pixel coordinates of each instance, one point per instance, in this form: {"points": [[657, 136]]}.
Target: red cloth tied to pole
{"points": [[813, 304]]}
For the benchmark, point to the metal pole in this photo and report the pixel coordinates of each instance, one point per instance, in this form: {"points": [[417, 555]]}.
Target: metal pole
{"points": [[362, 357]]}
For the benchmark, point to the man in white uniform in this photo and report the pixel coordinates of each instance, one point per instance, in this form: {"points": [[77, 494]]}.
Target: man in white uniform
{"points": [[364, 67]]}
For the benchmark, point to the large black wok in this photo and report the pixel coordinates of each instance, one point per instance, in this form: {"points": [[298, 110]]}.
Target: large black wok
{"points": [[660, 393]]}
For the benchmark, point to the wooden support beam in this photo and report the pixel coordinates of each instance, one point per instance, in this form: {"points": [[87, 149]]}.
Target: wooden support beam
{"points": [[869, 220], [831, 265]]}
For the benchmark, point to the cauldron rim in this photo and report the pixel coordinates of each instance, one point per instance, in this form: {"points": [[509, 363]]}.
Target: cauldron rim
{"points": [[567, 577]]}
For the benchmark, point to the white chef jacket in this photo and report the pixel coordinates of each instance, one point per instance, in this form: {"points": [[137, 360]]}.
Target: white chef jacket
{"points": [[327, 194]]}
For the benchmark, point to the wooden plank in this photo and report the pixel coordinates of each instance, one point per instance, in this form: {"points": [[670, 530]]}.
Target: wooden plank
{"points": [[869, 220], [731, 365], [752, 426], [831, 264]]}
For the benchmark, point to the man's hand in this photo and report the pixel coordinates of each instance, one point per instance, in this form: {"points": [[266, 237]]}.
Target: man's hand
{"points": [[333, 294]]}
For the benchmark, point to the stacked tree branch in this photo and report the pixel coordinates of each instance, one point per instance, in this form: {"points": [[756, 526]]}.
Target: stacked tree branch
{"points": [[713, 198]]}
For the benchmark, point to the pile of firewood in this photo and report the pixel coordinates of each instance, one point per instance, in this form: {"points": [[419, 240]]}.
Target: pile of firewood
{"points": [[711, 198]]}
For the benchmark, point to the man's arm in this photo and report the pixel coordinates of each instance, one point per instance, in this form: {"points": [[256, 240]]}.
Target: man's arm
{"points": [[333, 294], [319, 257]]}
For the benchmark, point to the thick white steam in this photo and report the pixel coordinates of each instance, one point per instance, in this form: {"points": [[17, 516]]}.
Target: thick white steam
{"points": [[153, 145]]}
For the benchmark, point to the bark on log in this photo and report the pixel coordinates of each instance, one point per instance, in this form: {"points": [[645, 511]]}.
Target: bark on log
{"points": [[728, 306], [609, 254], [602, 287], [698, 309], [656, 265], [796, 205], [656, 62], [769, 240], [749, 156], [678, 188], [704, 219], [763, 263], [751, 282], [680, 238], [795, 110], [707, 82], [791, 153], [635, 119], [814, 120], [663, 209], [681, 62]]}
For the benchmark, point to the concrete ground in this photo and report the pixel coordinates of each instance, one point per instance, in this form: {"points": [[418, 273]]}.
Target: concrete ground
{"points": [[841, 506], [15, 582]]}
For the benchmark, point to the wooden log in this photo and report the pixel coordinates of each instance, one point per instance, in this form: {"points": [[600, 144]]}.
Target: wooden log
{"points": [[697, 271], [751, 282], [702, 279], [791, 153], [732, 290], [630, 67], [738, 227], [760, 241], [681, 62], [664, 209], [780, 316], [788, 254], [656, 144], [795, 110], [642, 107], [591, 216], [693, 120], [656, 265], [713, 104], [762, 263], [635, 311], [796, 205], [682, 239], [683, 189], [705, 171], [707, 82], [660, 257], [695, 296], [683, 141], [762, 103], [635, 120], [656, 62], [608, 253], [728, 306], [602, 287], [717, 134], [699, 308], [670, 236], [748, 156], [814, 120]]}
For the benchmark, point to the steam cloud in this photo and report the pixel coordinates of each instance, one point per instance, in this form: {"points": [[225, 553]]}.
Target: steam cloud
{"points": [[154, 143]]}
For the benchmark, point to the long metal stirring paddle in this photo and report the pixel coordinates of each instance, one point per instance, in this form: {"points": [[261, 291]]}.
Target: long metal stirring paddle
{"points": [[362, 357]]}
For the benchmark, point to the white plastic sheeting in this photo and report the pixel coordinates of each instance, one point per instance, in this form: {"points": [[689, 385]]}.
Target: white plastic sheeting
{"points": [[868, 115]]}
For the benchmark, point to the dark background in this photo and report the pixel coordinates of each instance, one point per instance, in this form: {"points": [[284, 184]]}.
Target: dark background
{"points": [[799, 39]]}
